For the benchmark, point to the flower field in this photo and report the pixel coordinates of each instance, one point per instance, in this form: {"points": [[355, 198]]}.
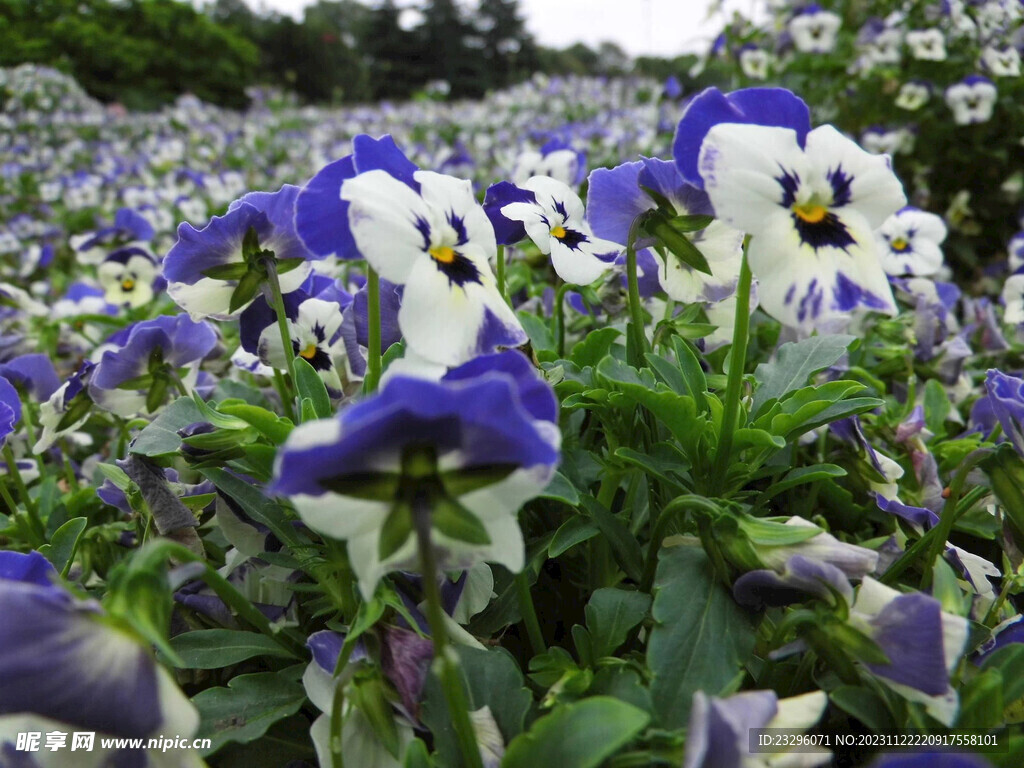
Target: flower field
{"points": [[600, 422]]}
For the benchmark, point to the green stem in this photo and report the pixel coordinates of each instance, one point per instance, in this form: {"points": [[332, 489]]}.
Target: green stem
{"points": [[529, 614], [373, 351], [559, 317], [500, 272], [30, 535], [636, 312], [30, 505], [282, 390], [445, 664], [734, 384], [678, 504], [277, 299]]}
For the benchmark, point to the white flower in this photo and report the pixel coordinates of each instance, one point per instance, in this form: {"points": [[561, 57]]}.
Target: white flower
{"points": [[972, 100], [437, 243], [1001, 63], [811, 212], [1013, 300], [927, 44], [814, 31], [554, 221], [127, 277], [910, 242], [912, 96], [755, 63]]}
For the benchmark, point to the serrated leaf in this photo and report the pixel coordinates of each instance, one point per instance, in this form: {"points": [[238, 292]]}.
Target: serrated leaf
{"points": [[794, 364], [246, 708]]}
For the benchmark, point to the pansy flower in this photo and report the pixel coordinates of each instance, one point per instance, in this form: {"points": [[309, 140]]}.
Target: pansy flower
{"points": [[127, 276], [922, 642], [719, 732], [972, 100], [129, 228], [1012, 297], [66, 410], [927, 44], [205, 266], [314, 326], [552, 215], [467, 450], [910, 242], [10, 408], [556, 158], [155, 357], [1006, 399], [810, 201], [913, 95], [814, 30], [427, 233], [754, 62], [67, 666], [1015, 251], [616, 196], [82, 299], [1001, 62]]}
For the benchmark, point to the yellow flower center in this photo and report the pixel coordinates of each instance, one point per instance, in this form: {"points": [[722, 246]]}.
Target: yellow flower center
{"points": [[812, 213], [443, 254], [309, 352], [127, 285], [899, 244], [558, 232]]}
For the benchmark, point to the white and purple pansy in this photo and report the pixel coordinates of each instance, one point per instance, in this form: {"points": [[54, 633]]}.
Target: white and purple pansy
{"points": [[616, 197], [1006, 399], [814, 30], [1015, 251], [927, 44], [10, 408], [922, 642], [66, 410], [67, 666], [467, 451], [321, 214], [429, 234], [218, 249], [129, 227], [556, 158], [552, 215], [910, 242], [757, 106], [153, 358], [82, 299], [315, 319], [129, 276], [811, 207], [719, 733], [799, 577], [1012, 297], [972, 100]]}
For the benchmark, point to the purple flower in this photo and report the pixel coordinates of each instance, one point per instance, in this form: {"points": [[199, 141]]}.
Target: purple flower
{"points": [[800, 576], [218, 250], [492, 421], [153, 356], [1006, 399], [33, 373], [65, 663], [758, 106], [10, 408]]}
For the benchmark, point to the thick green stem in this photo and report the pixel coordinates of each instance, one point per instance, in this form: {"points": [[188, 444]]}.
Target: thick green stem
{"points": [[499, 272], [277, 299], [445, 664], [636, 312], [373, 351], [30, 506], [529, 614], [734, 384], [559, 317]]}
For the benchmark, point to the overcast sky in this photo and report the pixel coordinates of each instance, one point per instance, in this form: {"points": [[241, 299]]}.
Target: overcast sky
{"points": [[657, 27]]}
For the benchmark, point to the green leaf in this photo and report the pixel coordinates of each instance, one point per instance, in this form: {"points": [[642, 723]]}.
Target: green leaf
{"points": [[1009, 660], [794, 364], [625, 548], [691, 222], [981, 701], [284, 266], [573, 531], [116, 475], [537, 330], [561, 489], [701, 637], [61, 549], [309, 384], [244, 710], [594, 347], [160, 437], [579, 735], [611, 614], [397, 529], [270, 425], [802, 475], [865, 705], [660, 226], [697, 382], [216, 648], [664, 461], [459, 482]]}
